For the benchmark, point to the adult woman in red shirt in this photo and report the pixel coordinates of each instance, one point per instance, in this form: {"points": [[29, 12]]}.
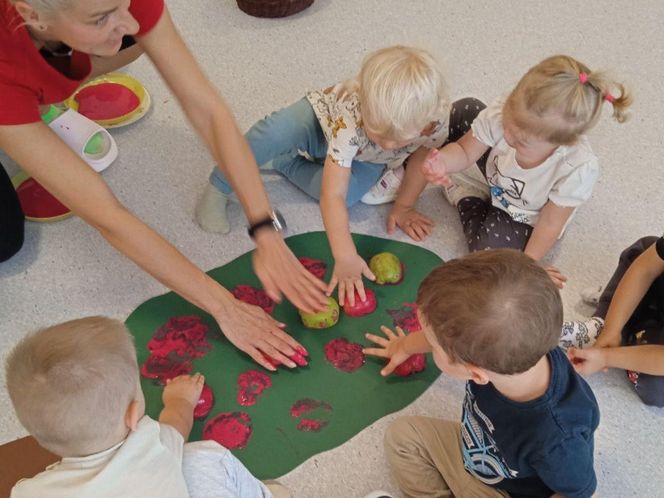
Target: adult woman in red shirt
{"points": [[37, 67]]}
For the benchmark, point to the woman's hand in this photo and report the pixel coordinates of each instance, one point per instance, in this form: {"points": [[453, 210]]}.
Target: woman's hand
{"points": [[417, 226], [259, 335], [348, 274], [279, 271]]}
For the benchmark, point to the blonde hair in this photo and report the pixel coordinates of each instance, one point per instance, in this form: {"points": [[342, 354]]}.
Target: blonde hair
{"points": [[560, 98], [47, 7], [71, 384], [401, 90]]}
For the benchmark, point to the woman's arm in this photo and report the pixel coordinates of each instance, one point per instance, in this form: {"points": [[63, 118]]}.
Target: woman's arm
{"points": [[45, 157], [275, 265], [348, 265], [548, 228], [647, 359]]}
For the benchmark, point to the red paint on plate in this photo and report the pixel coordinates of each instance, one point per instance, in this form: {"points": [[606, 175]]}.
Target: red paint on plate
{"points": [[344, 355], [37, 202], [316, 267], [205, 403], [230, 429], [251, 384], [252, 295], [106, 101]]}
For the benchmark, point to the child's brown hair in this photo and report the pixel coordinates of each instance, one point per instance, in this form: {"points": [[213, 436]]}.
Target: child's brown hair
{"points": [[561, 98], [71, 384], [498, 310]]}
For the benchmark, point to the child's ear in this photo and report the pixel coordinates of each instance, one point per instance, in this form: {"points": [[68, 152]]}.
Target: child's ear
{"points": [[478, 375], [132, 415]]}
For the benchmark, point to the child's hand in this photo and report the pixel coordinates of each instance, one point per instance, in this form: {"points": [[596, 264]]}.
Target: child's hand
{"points": [[391, 347], [348, 274], [435, 169], [587, 361], [417, 226], [608, 338], [558, 278], [185, 388]]}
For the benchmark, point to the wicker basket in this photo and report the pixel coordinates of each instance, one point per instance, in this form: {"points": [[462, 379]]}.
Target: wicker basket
{"points": [[273, 8]]}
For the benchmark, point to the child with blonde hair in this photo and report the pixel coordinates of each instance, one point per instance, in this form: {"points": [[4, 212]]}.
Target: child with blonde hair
{"points": [[75, 388], [525, 164], [335, 143]]}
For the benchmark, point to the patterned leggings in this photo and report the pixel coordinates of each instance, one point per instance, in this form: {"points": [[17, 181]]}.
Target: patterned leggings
{"points": [[485, 226]]}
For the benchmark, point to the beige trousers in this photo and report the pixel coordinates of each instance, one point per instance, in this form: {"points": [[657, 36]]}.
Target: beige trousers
{"points": [[425, 456]]}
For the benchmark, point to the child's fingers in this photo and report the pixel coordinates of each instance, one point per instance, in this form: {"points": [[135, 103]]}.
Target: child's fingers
{"points": [[391, 224], [388, 332], [400, 331], [331, 285], [359, 286], [380, 352], [376, 339], [368, 273]]}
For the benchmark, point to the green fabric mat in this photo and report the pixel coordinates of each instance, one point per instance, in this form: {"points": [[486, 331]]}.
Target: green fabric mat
{"points": [[357, 399]]}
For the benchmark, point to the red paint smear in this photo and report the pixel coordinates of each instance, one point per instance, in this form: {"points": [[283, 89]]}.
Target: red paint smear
{"points": [[230, 429], [252, 295], [406, 317], [251, 384], [272, 361], [205, 403], [361, 308], [316, 267], [414, 364], [37, 202], [344, 355], [106, 101], [306, 405], [182, 336], [163, 368], [311, 425]]}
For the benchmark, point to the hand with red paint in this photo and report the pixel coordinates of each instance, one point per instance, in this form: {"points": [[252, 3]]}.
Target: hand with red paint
{"points": [[435, 168], [392, 347], [259, 335], [180, 397], [348, 272], [588, 361]]}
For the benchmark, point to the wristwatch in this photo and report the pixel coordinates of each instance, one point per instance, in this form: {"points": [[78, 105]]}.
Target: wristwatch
{"points": [[275, 221]]}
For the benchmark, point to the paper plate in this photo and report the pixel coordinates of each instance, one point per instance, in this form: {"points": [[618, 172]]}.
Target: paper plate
{"points": [[36, 202], [112, 100]]}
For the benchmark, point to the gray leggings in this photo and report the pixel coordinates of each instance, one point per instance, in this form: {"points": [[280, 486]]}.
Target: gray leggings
{"points": [[484, 225]]}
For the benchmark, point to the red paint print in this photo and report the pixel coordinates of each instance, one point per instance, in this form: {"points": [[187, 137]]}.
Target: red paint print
{"points": [[182, 336], [361, 308], [232, 430], [252, 295], [106, 101], [316, 267], [310, 406], [37, 202], [251, 384], [344, 355], [162, 368], [205, 403], [414, 364], [406, 317]]}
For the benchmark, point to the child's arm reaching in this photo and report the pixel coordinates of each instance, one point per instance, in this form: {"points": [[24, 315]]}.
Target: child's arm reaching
{"points": [[397, 347], [180, 397], [548, 228], [630, 291], [647, 359], [403, 214], [454, 157], [348, 265]]}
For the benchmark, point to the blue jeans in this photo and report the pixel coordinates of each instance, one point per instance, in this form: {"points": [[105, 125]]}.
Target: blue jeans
{"points": [[277, 139]]}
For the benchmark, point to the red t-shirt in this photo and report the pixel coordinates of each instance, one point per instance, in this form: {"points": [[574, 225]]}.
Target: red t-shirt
{"points": [[27, 80]]}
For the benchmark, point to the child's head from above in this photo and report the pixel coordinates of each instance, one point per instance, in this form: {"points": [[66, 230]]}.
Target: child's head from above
{"points": [[75, 386], [497, 311], [94, 27], [402, 91], [558, 100]]}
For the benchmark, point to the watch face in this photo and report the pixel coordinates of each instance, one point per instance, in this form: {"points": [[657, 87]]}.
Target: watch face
{"points": [[278, 221]]}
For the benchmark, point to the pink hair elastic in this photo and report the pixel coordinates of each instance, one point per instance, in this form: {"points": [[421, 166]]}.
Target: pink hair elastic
{"points": [[583, 78], [609, 98]]}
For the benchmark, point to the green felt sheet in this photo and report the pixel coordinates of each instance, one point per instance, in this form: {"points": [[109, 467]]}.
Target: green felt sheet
{"points": [[357, 398]]}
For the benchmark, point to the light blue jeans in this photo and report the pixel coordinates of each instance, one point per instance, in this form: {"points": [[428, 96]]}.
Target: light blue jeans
{"points": [[277, 139]]}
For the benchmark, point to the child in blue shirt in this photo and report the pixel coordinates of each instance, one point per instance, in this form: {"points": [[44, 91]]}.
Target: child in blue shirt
{"points": [[493, 318]]}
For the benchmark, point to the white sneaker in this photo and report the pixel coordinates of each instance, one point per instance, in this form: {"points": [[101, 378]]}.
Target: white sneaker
{"points": [[591, 295], [378, 494], [211, 211], [386, 189], [469, 183]]}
